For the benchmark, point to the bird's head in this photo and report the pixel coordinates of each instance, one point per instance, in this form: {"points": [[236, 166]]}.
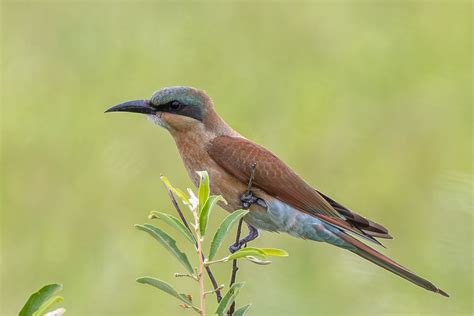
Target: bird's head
{"points": [[177, 109]]}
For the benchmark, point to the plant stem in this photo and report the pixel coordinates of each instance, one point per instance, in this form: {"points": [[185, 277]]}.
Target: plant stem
{"points": [[176, 206], [235, 268], [185, 222], [217, 289], [212, 291], [208, 263], [202, 290]]}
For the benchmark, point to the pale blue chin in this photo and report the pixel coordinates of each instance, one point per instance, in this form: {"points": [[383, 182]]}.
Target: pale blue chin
{"points": [[156, 119]]}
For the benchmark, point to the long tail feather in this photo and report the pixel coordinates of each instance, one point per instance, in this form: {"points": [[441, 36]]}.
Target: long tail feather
{"points": [[379, 259]]}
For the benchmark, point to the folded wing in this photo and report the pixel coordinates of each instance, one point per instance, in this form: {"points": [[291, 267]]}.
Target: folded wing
{"points": [[236, 155]]}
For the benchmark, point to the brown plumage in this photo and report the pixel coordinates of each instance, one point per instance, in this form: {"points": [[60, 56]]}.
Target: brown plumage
{"points": [[236, 154], [206, 142], [385, 262]]}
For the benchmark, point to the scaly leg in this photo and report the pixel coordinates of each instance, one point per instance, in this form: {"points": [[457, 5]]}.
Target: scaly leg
{"points": [[248, 198], [253, 234]]}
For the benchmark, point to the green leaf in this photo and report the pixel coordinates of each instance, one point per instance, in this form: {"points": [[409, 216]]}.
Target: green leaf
{"points": [[36, 300], [206, 210], [229, 298], [258, 261], [242, 311], [223, 229], [274, 252], [203, 189], [167, 288], [46, 305], [169, 243], [249, 251], [174, 222], [259, 253], [176, 191]]}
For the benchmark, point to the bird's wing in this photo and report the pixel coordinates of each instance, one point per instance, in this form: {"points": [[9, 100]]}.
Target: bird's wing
{"points": [[236, 155], [366, 225]]}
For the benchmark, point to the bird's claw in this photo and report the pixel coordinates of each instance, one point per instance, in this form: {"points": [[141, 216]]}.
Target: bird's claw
{"points": [[253, 234], [234, 247], [248, 198]]}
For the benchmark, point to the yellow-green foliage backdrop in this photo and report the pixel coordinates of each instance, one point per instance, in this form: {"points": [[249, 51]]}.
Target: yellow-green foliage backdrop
{"points": [[370, 102]]}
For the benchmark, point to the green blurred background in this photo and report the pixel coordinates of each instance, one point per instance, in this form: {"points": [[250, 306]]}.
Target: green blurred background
{"points": [[371, 102]]}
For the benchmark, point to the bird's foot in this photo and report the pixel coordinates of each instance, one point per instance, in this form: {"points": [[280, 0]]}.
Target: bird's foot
{"points": [[248, 198], [253, 234], [234, 247]]}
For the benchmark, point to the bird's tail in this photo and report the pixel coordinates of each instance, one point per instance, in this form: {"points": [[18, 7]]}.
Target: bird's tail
{"points": [[379, 259]]}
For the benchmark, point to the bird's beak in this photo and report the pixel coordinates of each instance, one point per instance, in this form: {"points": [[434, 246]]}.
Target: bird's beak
{"points": [[136, 106]]}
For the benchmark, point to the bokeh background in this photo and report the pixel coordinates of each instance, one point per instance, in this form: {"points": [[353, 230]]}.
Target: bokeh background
{"points": [[371, 102]]}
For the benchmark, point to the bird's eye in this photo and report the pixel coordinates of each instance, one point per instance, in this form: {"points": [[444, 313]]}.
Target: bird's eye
{"points": [[175, 105]]}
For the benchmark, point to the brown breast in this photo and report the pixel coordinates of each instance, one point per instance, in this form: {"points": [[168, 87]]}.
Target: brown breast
{"points": [[193, 151]]}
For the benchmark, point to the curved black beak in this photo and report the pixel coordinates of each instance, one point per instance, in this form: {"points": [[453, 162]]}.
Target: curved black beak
{"points": [[135, 106]]}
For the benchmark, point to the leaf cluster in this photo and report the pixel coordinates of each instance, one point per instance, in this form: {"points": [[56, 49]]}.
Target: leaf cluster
{"points": [[201, 207]]}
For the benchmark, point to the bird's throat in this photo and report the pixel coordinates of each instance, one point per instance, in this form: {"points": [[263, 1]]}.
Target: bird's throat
{"points": [[156, 119]]}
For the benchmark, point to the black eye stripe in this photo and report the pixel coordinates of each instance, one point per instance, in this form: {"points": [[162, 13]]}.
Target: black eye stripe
{"points": [[175, 105], [179, 108]]}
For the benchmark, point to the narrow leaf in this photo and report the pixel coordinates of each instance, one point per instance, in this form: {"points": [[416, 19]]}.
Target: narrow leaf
{"points": [[206, 210], [169, 243], [223, 229], [249, 251], [175, 223], [229, 298], [57, 312], [256, 254], [258, 261], [203, 189], [176, 191], [46, 305], [167, 288], [274, 252], [242, 311], [37, 299]]}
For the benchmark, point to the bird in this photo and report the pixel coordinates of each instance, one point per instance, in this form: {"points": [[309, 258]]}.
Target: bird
{"points": [[248, 175]]}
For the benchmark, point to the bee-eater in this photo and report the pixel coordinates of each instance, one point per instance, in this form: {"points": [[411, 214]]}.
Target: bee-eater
{"points": [[280, 200]]}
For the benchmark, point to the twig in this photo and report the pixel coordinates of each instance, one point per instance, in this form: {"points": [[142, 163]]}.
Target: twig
{"points": [[217, 289], [202, 291], [185, 222], [212, 291], [176, 206], [180, 275], [235, 268]]}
